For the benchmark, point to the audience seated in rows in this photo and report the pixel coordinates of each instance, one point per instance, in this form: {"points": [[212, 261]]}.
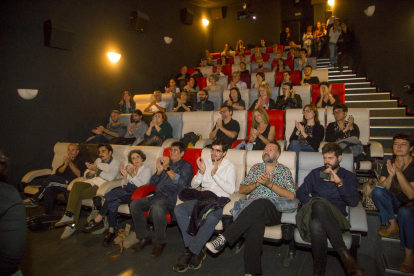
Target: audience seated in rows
{"points": [[192, 85], [172, 176], [157, 104], [235, 100], [281, 66], [105, 168], [112, 130], [288, 98], [286, 79], [214, 86], [225, 128], [271, 190], [158, 131], [73, 166], [183, 104], [204, 104], [172, 87], [236, 82], [326, 99], [260, 67], [218, 179], [134, 175], [265, 101], [307, 79], [127, 104], [261, 132], [135, 131], [261, 79]]}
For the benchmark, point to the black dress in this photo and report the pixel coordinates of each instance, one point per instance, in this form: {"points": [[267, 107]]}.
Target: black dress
{"points": [[259, 144]]}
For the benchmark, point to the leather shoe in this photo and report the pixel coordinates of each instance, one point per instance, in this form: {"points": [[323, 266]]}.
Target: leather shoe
{"points": [[109, 237], [92, 226], [352, 268], [141, 244], [157, 250], [386, 233]]}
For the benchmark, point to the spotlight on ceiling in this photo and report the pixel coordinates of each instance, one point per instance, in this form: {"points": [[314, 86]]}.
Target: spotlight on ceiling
{"points": [[205, 22], [114, 57], [331, 2], [254, 17]]}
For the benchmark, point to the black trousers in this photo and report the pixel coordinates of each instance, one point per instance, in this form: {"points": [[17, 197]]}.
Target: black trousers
{"points": [[252, 222], [323, 226]]}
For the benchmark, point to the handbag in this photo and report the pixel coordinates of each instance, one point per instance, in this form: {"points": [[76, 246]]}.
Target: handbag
{"points": [[366, 191]]}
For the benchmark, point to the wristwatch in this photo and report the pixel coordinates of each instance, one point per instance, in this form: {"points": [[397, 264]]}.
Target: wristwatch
{"points": [[339, 183], [167, 169]]}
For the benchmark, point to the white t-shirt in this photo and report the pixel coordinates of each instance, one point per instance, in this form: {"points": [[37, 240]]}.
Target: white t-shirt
{"points": [[240, 85], [154, 108]]}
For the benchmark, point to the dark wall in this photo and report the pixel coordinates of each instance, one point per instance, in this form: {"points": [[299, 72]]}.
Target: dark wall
{"points": [[384, 43], [78, 88], [267, 26]]}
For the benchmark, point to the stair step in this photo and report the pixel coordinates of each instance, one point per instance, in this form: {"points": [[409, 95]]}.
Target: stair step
{"points": [[336, 72], [322, 59], [392, 121], [364, 84], [387, 130], [369, 104], [367, 96], [344, 76], [385, 141], [348, 80], [387, 111]]}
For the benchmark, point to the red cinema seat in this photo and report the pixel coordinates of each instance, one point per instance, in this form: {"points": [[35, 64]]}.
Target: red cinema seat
{"points": [[269, 49], [276, 119], [226, 69], [237, 53], [295, 76], [274, 64], [280, 47], [337, 89], [215, 55], [278, 78], [247, 52], [190, 156], [190, 71], [202, 82], [265, 57], [289, 62], [230, 60]]}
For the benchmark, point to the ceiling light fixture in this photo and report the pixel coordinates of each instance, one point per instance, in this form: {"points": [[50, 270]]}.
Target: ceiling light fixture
{"points": [[114, 57], [205, 22]]}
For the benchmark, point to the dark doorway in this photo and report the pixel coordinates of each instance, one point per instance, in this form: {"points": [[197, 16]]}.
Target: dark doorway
{"points": [[295, 29]]}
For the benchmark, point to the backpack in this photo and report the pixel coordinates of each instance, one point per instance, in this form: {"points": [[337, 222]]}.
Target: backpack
{"points": [[190, 137]]}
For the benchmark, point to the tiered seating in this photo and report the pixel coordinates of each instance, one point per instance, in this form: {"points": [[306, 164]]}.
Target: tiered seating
{"points": [[206, 71], [201, 82], [143, 100], [337, 89]]}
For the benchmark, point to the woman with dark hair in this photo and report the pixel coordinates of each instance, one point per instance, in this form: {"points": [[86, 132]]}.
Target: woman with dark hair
{"points": [[318, 38], [127, 104], [159, 130], [192, 85], [260, 79], [345, 47], [183, 104], [134, 175], [223, 60], [172, 87], [326, 98], [235, 99], [281, 66]]}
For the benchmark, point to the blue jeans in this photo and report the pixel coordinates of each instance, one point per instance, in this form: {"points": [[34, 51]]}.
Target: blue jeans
{"points": [[99, 138], [388, 205], [296, 147], [197, 242], [333, 49], [114, 199]]}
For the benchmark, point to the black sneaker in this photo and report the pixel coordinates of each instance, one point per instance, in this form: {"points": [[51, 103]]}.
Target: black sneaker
{"points": [[197, 260], [109, 237], [30, 203], [183, 261], [216, 245]]}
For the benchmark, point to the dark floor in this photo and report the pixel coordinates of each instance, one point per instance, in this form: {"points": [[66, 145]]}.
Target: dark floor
{"points": [[83, 254]]}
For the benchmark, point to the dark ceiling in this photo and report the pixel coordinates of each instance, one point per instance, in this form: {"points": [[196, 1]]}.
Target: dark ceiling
{"points": [[214, 3]]}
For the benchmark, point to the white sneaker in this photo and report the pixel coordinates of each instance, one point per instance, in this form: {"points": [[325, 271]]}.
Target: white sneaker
{"points": [[69, 230], [216, 245], [65, 220]]}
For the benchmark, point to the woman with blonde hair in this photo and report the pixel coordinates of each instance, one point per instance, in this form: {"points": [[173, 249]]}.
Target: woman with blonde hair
{"points": [[127, 104], [214, 86], [265, 101], [261, 132]]}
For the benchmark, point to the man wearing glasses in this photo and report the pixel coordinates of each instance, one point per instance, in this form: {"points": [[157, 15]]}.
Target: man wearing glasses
{"points": [[226, 128], [286, 79], [172, 176], [217, 175]]}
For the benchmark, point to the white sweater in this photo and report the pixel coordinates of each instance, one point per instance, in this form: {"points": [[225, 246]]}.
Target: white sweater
{"points": [[142, 177], [107, 172]]}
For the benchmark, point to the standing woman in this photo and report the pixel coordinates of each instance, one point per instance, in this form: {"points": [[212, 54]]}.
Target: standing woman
{"points": [[261, 132], [159, 130], [307, 134], [345, 47], [127, 104], [308, 40], [192, 85], [264, 100], [135, 174], [318, 38], [334, 34], [235, 99]]}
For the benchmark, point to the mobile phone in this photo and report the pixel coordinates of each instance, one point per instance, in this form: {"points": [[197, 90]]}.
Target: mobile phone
{"points": [[325, 175]]}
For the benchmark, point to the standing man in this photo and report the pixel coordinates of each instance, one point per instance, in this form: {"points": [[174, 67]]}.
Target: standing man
{"points": [[157, 104], [396, 196], [112, 130], [268, 185], [324, 210], [226, 128], [171, 177], [204, 104], [307, 79], [217, 175], [136, 130], [285, 37], [104, 169], [73, 166]]}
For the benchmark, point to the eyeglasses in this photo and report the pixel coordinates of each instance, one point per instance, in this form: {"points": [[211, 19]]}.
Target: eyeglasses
{"points": [[224, 111], [307, 111], [216, 150], [285, 75], [174, 150], [337, 112]]}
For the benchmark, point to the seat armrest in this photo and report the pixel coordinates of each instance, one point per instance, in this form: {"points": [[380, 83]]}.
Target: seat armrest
{"points": [[167, 143], [358, 218], [28, 177], [79, 179], [108, 186], [377, 151], [142, 191], [282, 144], [290, 218], [234, 197], [202, 143], [238, 142]]}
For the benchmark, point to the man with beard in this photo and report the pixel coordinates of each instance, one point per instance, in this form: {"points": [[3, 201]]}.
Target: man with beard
{"points": [[137, 128], [307, 79], [226, 128], [217, 175], [267, 185], [260, 67], [112, 130], [325, 193], [301, 62], [204, 104]]}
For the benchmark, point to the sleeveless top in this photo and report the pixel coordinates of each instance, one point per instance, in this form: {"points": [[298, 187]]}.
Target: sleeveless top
{"points": [[259, 144]]}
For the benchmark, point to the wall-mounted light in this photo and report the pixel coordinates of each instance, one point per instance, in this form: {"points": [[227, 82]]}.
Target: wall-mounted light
{"points": [[370, 10], [114, 57], [254, 17], [205, 22], [167, 39], [27, 94], [331, 2]]}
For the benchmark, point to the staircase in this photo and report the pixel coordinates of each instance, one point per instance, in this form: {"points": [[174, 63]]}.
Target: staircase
{"points": [[386, 117]]}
